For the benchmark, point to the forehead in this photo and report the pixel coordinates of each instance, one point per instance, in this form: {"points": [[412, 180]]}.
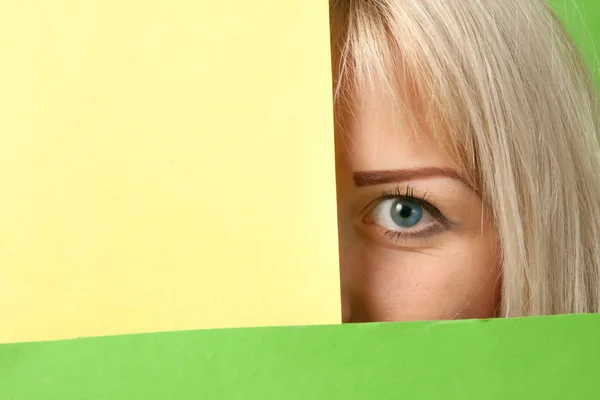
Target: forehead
{"points": [[373, 135]]}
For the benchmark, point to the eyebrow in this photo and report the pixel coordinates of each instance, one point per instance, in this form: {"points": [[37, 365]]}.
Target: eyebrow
{"points": [[369, 178]]}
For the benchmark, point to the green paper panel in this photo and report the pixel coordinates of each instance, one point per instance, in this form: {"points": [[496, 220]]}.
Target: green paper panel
{"points": [[532, 358]]}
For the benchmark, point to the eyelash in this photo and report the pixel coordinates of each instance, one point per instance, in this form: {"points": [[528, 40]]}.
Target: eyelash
{"points": [[442, 223]]}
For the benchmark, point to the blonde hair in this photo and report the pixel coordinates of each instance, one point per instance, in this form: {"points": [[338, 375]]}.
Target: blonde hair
{"points": [[504, 88]]}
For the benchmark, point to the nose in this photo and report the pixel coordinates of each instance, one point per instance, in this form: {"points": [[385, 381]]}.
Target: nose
{"points": [[346, 309], [348, 275]]}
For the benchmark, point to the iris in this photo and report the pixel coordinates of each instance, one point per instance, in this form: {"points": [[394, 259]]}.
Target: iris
{"points": [[406, 213]]}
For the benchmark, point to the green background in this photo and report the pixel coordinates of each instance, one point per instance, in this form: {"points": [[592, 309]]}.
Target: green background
{"points": [[582, 19], [533, 358]]}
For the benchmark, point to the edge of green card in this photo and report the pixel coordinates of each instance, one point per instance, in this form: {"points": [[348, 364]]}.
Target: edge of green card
{"points": [[555, 357]]}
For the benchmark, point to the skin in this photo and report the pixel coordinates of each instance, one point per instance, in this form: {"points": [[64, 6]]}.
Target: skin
{"points": [[398, 273]]}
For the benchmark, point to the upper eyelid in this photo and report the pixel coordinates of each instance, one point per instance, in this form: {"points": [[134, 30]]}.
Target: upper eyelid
{"points": [[395, 193], [386, 196]]}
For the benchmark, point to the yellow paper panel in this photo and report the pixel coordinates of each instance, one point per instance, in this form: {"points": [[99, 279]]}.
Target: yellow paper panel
{"points": [[165, 165]]}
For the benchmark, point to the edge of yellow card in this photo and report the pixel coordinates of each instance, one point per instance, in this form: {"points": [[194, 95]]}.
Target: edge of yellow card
{"points": [[165, 166]]}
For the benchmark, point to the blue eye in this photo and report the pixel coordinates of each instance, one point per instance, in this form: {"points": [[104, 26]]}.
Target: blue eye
{"points": [[396, 216], [406, 213], [401, 214]]}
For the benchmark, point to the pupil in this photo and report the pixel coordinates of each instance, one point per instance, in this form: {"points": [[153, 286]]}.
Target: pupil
{"points": [[405, 212]]}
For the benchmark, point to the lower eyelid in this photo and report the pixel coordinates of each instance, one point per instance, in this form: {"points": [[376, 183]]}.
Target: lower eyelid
{"points": [[379, 233]]}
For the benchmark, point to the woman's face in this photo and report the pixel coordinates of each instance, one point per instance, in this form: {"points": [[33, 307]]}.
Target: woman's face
{"points": [[416, 242]]}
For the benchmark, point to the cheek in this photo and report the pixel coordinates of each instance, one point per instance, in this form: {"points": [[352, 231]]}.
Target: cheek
{"points": [[457, 281]]}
